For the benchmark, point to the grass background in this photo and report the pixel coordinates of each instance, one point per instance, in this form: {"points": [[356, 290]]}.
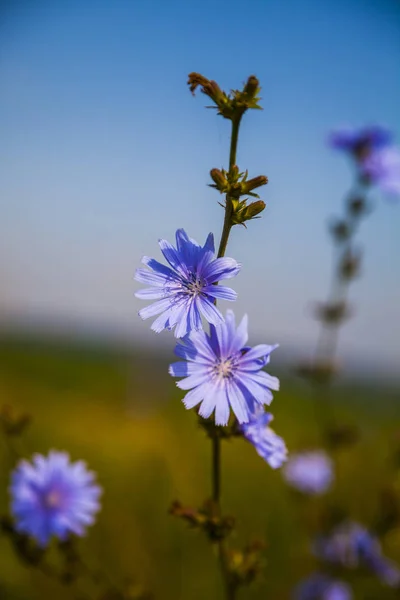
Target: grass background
{"points": [[119, 410]]}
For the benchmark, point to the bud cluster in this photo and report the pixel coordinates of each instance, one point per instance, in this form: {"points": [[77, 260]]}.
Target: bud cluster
{"points": [[235, 184], [233, 105], [11, 423], [318, 372], [205, 518], [244, 566], [332, 312]]}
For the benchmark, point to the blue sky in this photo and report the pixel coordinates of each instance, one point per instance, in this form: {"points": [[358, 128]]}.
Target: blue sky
{"points": [[103, 151]]}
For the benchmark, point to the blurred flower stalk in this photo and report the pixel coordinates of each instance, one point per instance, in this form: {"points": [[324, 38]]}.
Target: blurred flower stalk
{"points": [[346, 544]]}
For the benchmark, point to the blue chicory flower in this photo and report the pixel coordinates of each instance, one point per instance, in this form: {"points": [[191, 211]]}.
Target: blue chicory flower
{"points": [[382, 168], [52, 497], [221, 372], [321, 587], [309, 472], [186, 289], [360, 141], [270, 446], [351, 545]]}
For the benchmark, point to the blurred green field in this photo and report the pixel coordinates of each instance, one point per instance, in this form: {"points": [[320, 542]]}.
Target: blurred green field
{"points": [[120, 411]]}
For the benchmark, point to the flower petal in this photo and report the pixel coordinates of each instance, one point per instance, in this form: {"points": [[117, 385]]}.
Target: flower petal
{"points": [[222, 409], [220, 291], [261, 393], [158, 267], [194, 380], [183, 369], [221, 268], [173, 257], [238, 402], [150, 293], [209, 311], [151, 278], [195, 396], [155, 308]]}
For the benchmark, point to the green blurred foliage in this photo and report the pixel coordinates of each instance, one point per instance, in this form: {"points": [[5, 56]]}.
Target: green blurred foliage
{"points": [[119, 411]]}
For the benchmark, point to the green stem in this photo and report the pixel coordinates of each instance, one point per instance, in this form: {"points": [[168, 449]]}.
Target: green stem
{"points": [[230, 590], [228, 204], [234, 141], [216, 469]]}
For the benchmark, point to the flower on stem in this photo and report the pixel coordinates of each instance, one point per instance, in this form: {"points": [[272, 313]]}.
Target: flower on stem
{"points": [[309, 472], [360, 142], [221, 372], [321, 587], [376, 155], [185, 290], [270, 446], [53, 497], [352, 546], [382, 168]]}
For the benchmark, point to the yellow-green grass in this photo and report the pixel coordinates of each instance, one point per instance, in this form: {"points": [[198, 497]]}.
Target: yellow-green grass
{"points": [[121, 413]]}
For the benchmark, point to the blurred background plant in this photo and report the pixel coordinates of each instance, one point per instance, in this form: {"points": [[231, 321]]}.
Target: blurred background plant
{"points": [[96, 128]]}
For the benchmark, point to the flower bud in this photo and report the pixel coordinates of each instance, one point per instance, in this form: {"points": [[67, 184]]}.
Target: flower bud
{"points": [[330, 313], [252, 184], [340, 230], [252, 210], [220, 181], [356, 206], [350, 265], [319, 372], [252, 87]]}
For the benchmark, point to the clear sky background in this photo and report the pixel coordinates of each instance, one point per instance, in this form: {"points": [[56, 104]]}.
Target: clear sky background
{"points": [[103, 150]]}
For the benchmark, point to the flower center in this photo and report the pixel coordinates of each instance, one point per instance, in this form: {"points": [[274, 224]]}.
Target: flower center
{"points": [[53, 499], [194, 285], [224, 369]]}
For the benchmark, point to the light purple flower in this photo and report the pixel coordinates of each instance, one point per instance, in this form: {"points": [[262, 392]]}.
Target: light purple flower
{"points": [[382, 168], [185, 290], [52, 497], [221, 372], [322, 587], [360, 141], [351, 545], [270, 446], [309, 472]]}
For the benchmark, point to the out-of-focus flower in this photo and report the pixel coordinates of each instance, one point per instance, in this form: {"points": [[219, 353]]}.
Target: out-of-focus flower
{"points": [[360, 142], [185, 290], [222, 372], [270, 446], [352, 546], [309, 472], [382, 168], [53, 497], [376, 155], [321, 587]]}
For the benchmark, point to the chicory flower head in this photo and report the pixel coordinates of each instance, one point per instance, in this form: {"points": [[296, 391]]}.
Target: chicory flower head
{"points": [[360, 142], [221, 372], [185, 290], [382, 168], [351, 545], [52, 497], [309, 472], [322, 587], [270, 446]]}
